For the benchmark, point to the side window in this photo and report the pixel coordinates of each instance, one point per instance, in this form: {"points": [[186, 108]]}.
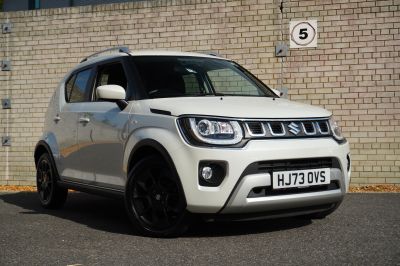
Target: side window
{"points": [[112, 74], [79, 91], [68, 87]]}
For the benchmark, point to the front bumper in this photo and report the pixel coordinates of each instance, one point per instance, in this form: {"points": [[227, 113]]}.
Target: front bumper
{"points": [[231, 197], [239, 202]]}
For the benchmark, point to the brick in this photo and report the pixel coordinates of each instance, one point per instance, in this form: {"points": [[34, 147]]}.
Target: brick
{"points": [[354, 71]]}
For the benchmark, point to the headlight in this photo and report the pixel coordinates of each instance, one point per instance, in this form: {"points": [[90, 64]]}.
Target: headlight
{"points": [[212, 131], [337, 133]]}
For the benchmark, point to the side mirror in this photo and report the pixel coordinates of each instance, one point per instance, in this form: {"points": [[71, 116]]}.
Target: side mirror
{"points": [[112, 93], [277, 93]]}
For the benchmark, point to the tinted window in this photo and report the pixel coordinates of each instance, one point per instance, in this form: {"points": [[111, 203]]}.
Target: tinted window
{"points": [[112, 74], [175, 76], [80, 89], [230, 82], [68, 87]]}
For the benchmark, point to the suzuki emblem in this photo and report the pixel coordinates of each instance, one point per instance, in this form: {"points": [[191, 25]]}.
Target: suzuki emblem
{"points": [[294, 128]]}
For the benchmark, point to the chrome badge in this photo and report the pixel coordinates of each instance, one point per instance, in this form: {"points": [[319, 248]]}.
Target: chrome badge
{"points": [[294, 128]]}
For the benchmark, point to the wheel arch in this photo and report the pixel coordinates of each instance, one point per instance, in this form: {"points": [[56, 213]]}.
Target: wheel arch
{"points": [[41, 148], [148, 147]]}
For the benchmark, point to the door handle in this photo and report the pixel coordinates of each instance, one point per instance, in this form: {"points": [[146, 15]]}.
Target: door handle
{"points": [[84, 120], [57, 118]]}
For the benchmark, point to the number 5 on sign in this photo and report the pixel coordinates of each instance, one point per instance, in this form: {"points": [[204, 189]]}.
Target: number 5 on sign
{"points": [[303, 34]]}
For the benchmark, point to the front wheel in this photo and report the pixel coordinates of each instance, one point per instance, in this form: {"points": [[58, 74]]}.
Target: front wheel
{"points": [[154, 199], [50, 194]]}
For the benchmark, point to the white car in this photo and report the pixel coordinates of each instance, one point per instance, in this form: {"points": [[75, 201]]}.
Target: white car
{"points": [[180, 135]]}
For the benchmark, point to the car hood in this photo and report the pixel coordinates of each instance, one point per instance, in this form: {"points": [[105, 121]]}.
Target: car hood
{"points": [[236, 107]]}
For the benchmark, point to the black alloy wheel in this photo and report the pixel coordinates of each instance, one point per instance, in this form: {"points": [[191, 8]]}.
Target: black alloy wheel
{"points": [[154, 199], [51, 196]]}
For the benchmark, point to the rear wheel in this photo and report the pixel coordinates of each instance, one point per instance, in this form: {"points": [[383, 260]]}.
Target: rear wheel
{"points": [[154, 199], [50, 194]]}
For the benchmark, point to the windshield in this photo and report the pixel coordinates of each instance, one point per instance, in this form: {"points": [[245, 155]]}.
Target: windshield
{"points": [[174, 76]]}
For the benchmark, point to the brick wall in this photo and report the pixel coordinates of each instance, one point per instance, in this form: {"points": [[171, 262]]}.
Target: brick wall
{"points": [[354, 71]]}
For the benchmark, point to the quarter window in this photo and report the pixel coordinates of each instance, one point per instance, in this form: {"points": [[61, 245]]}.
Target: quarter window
{"points": [[68, 87], [78, 92]]}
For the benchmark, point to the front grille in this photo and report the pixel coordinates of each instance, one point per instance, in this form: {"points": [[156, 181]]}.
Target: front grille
{"points": [[294, 164], [287, 129]]}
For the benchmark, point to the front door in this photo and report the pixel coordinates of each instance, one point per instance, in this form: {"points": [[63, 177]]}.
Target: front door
{"points": [[102, 130]]}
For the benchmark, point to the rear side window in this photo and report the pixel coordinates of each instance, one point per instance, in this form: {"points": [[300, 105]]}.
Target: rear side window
{"points": [[77, 89], [68, 87]]}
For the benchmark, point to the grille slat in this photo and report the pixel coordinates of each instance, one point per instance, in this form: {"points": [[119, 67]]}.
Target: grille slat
{"points": [[255, 128], [276, 128], [268, 191], [323, 127], [309, 128], [296, 164]]}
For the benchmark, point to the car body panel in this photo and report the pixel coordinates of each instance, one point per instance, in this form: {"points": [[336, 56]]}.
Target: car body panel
{"points": [[227, 106], [101, 140], [211, 200], [97, 153], [61, 134]]}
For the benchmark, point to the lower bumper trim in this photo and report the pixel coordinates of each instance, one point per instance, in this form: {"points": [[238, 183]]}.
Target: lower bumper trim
{"points": [[270, 214]]}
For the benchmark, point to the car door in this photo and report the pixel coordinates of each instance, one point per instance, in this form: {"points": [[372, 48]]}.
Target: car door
{"points": [[72, 167], [103, 129]]}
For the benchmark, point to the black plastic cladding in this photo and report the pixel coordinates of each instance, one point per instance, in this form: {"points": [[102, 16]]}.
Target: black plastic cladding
{"points": [[220, 169]]}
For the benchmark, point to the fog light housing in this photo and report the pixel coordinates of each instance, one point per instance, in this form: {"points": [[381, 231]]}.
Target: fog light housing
{"points": [[211, 173]]}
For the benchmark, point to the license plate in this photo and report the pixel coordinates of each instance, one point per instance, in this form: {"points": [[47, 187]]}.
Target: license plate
{"points": [[301, 178]]}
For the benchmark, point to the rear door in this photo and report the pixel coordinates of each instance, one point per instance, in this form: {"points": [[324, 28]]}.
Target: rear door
{"points": [[77, 90], [103, 129]]}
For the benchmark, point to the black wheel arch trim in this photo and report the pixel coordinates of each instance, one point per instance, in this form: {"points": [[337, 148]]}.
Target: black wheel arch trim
{"points": [[151, 143], [45, 145]]}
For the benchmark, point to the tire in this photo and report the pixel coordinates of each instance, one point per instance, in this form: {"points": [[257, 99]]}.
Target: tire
{"points": [[51, 196], [154, 199]]}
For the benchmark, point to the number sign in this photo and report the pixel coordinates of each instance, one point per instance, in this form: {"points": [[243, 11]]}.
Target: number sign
{"points": [[303, 34]]}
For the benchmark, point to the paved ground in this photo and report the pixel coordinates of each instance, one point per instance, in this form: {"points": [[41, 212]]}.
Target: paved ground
{"points": [[91, 230]]}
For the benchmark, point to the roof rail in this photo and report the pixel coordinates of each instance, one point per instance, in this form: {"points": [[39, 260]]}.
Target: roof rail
{"points": [[120, 49], [211, 53]]}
